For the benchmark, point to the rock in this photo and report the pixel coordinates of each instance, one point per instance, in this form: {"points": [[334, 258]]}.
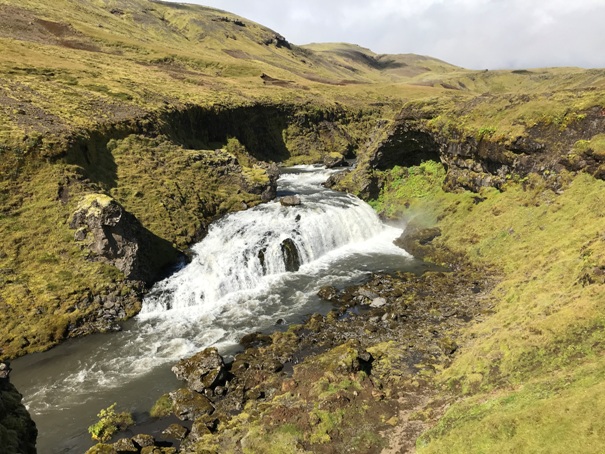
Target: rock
{"points": [[125, 445], [5, 371], [417, 241], [190, 405], [378, 302], [334, 160], [157, 450], [290, 201], [204, 370], [255, 340], [143, 440], [369, 294], [18, 431], [176, 431], [118, 238], [328, 293], [291, 255]]}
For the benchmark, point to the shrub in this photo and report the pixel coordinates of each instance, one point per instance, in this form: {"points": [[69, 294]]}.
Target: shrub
{"points": [[109, 423]]}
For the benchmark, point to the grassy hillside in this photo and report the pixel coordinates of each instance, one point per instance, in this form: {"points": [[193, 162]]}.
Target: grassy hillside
{"points": [[135, 99]]}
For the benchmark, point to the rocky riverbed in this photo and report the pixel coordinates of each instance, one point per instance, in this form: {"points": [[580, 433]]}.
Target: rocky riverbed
{"points": [[358, 379]]}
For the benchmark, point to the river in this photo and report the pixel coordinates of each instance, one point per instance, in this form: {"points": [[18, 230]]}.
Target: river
{"points": [[236, 283]]}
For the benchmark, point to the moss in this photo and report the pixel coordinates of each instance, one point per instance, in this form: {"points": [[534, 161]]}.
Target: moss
{"points": [[162, 407]]}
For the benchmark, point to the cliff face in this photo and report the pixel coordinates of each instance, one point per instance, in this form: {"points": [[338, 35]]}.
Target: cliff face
{"points": [[475, 161], [17, 430]]}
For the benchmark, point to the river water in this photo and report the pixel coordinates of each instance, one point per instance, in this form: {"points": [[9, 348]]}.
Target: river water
{"points": [[236, 283]]}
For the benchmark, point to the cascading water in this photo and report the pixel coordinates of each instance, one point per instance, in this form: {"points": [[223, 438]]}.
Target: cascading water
{"points": [[248, 249], [236, 283]]}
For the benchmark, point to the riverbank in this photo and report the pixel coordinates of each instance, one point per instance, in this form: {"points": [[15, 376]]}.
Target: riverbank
{"points": [[360, 378]]}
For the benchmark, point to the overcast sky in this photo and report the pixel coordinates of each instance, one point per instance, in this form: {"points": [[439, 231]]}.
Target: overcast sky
{"points": [[475, 34]]}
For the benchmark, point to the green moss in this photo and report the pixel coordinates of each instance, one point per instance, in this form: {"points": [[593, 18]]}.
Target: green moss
{"points": [[162, 407]]}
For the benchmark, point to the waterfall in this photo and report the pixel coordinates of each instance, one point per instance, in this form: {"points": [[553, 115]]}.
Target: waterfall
{"points": [[237, 283], [244, 250]]}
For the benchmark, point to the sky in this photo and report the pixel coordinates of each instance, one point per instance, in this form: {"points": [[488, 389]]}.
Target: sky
{"points": [[475, 34]]}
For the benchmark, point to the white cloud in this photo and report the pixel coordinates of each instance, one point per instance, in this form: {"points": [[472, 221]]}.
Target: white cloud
{"points": [[472, 33]]}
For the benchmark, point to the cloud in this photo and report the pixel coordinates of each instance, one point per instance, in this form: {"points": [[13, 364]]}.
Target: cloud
{"points": [[476, 34]]}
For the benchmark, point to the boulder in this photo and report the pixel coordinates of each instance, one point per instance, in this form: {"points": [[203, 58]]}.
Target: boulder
{"points": [[378, 302], [334, 160], [115, 236], [125, 445], [190, 405], [204, 370], [417, 241], [18, 431], [255, 340], [290, 255], [143, 440], [176, 431], [290, 201]]}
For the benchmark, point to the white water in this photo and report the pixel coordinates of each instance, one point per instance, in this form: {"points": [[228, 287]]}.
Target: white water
{"points": [[224, 293]]}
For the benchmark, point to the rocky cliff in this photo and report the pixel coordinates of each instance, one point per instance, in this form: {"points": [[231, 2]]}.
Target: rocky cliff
{"points": [[17, 430]]}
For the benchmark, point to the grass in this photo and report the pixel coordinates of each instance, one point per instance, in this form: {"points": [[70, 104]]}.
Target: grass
{"points": [[106, 105], [529, 375]]}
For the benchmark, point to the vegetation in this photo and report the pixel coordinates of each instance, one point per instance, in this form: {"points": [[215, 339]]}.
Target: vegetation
{"points": [[174, 111], [109, 423], [534, 364]]}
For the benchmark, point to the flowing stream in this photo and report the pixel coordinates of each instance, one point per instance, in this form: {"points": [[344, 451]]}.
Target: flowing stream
{"points": [[256, 270]]}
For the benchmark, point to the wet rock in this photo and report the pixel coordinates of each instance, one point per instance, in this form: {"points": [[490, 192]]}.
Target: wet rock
{"points": [[190, 405], [291, 255], [328, 293], [205, 370], [125, 445], [334, 179], [334, 160], [255, 340], [143, 440], [176, 431], [18, 432], [417, 241], [290, 201]]}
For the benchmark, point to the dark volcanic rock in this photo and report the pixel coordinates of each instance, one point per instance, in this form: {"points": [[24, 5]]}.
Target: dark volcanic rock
{"points": [[18, 432], [291, 255], [117, 237], [417, 241], [334, 160], [205, 370], [190, 405]]}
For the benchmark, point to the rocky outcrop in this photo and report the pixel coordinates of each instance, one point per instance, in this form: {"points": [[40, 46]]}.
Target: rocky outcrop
{"points": [[333, 160], [417, 241], [18, 431], [482, 160], [115, 236]]}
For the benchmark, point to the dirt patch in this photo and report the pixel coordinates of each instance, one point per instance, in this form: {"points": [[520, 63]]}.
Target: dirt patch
{"points": [[22, 24], [236, 53]]}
